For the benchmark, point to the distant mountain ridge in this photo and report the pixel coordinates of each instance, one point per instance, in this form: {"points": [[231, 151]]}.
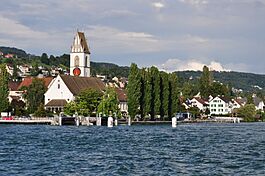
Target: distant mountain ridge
{"points": [[12, 50], [239, 80]]}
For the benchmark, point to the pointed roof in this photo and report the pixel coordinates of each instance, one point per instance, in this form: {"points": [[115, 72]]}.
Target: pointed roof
{"points": [[80, 44], [77, 84], [28, 80]]}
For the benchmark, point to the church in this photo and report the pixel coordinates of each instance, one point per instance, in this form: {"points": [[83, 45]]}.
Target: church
{"points": [[64, 88]]}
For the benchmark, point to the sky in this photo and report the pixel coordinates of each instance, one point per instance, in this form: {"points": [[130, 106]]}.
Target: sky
{"points": [[226, 35]]}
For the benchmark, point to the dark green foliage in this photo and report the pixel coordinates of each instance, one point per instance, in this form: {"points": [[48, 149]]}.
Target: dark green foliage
{"points": [[3, 88], [238, 80], [35, 94], [205, 82], [41, 112], [164, 95], [110, 103], [134, 90], [156, 92], [18, 52], [85, 104], [173, 95], [44, 59], [248, 112], [88, 101], [109, 69]]}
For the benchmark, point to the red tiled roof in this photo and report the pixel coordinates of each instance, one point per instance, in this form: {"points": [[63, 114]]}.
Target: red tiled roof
{"points": [[121, 94], [28, 80]]}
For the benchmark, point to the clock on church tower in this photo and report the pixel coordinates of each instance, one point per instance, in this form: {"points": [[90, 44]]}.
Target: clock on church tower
{"points": [[80, 56]]}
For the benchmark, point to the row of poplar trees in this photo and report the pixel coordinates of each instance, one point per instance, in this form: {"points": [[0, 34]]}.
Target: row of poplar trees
{"points": [[152, 93]]}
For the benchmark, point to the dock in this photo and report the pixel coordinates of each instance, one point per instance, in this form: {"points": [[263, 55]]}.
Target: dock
{"points": [[27, 122]]}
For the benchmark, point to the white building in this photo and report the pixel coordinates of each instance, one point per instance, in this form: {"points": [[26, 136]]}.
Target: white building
{"points": [[220, 106], [80, 56], [64, 88], [259, 103], [201, 104]]}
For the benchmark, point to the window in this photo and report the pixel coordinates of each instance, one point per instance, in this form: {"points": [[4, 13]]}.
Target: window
{"points": [[59, 86], [76, 61], [86, 61]]}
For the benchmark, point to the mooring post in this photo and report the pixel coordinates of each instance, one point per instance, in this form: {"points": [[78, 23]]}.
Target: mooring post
{"points": [[116, 119], [129, 121], [60, 120], [77, 121], [174, 122], [110, 121], [99, 119]]}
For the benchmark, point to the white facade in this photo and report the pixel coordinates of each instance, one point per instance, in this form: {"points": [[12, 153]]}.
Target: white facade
{"points": [[198, 104], [80, 56], [58, 90], [219, 106]]}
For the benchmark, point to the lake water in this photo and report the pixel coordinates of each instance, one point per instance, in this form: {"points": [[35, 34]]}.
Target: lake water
{"points": [[192, 149]]}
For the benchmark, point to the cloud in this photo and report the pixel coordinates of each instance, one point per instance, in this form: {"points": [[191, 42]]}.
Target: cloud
{"points": [[194, 2], [180, 65], [119, 41], [158, 5], [12, 28]]}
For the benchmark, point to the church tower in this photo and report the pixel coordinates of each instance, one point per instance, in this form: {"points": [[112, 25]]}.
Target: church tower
{"points": [[80, 56]]}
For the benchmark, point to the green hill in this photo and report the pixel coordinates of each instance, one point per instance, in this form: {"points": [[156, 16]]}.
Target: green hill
{"points": [[239, 80], [11, 50]]}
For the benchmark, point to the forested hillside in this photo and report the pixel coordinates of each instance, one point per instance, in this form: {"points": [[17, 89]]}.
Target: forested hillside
{"points": [[239, 80]]}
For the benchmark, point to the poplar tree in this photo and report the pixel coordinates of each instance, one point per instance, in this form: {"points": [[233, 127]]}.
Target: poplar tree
{"points": [[133, 88], [3, 88], [155, 92], [206, 81], [173, 94], [148, 92], [165, 95]]}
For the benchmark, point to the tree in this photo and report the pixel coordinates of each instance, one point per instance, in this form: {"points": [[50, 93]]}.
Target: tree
{"points": [[205, 82], [155, 92], [44, 59], [164, 94], [134, 92], [3, 88], [41, 112], [248, 112], [110, 103], [88, 101], [70, 108], [35, 94], [173, 94]]}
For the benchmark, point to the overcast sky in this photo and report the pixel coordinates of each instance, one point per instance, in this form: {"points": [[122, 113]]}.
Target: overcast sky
{"points": [[170, 34]]}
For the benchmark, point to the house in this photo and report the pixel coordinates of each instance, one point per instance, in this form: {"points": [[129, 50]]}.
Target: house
{"points": [[123, 104], [9, 56], [200, 103], [14, 93], [64, 88], [26, 82], [24, 70], [220, 106], [259, 103], [10, 69]]}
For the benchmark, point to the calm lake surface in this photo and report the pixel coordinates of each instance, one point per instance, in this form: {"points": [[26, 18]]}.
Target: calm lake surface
{"points": [[193, 149]]}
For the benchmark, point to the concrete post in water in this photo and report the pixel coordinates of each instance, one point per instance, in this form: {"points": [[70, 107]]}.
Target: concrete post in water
{"points": [[174, 122], [60, 120], [110, 121], [77, 121], [116, 119], [87, 121], [99, 119], [129, 121]]}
